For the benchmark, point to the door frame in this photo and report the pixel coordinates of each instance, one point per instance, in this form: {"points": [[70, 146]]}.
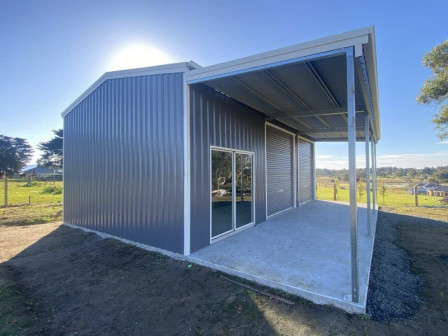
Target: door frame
{"points": [[234, 228]]}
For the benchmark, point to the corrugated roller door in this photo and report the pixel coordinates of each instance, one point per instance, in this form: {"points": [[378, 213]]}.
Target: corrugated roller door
{"points": [[279, 169], [306, 173]]}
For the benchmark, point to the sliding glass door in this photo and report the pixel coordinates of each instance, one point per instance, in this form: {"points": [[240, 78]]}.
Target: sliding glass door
{"points": [[231, 191], [243, 201]]}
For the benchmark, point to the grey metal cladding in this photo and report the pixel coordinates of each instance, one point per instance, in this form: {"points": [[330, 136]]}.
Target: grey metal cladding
{"points": [[279, 163], [123, 168], [217, 120], [306, 171]]}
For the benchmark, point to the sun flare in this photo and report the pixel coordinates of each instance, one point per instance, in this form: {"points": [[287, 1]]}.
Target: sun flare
{"points": [[138, 55]]}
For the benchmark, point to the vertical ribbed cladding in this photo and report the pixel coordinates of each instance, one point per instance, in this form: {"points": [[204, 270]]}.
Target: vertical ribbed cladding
{"points": [[217, 120], [306, 171], [123, 168]]}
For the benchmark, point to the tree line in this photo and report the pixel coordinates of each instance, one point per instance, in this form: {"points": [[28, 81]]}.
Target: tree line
{"points": [[436, 175], [16, 152]]}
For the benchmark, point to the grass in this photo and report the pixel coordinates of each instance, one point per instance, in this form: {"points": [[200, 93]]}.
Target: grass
{"points": [[38, 192], [31, 214], [397, 198]]}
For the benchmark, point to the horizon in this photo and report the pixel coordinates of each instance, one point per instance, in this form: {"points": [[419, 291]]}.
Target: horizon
{"points": [[59, 49]]}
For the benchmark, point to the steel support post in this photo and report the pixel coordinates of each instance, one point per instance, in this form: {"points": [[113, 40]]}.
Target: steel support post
{"points": [[351, 114], [374, 182], [369, 213]]}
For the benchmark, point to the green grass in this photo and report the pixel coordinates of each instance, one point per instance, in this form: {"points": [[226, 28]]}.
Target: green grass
{"points": [[31, 214], [397, 198], [393, 197], [39, 192]]}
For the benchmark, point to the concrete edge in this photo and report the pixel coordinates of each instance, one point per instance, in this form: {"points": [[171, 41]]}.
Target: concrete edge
{"points": [[303, 293]]}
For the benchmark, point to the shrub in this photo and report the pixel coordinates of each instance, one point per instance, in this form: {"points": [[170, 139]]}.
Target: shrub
{"points": [[52, 189]]}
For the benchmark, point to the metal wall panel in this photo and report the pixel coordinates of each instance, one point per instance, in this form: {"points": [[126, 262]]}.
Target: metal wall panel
{"points": [[306, 171], [123, 160], [217, 120], [279, 163]]}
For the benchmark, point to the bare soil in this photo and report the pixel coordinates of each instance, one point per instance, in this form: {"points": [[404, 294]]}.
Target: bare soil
{"points": [[55, 280]]}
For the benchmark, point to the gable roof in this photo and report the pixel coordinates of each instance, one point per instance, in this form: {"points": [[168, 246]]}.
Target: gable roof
{"points": [[154, 70]]}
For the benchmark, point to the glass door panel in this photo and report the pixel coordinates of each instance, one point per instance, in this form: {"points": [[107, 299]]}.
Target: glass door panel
{"points": [[222, 186], [243, 179]]}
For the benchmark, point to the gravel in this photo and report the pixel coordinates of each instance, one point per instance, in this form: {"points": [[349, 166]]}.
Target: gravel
{"points": [[393, 289]]}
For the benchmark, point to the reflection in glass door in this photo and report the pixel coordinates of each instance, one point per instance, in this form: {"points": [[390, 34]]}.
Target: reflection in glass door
{"points": [[222, 191], [231, 190], [243, 176]]}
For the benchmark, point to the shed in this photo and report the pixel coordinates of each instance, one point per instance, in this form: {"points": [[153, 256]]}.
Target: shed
{"points": [[180, 157], [40, 172]]}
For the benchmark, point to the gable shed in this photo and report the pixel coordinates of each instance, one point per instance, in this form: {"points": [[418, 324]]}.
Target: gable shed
{"points": [[180, 157]]}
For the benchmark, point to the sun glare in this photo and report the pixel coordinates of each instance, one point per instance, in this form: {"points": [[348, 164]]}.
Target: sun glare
{"points": [[138, 55]]}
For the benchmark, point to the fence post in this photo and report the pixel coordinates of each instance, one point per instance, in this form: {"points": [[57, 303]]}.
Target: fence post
{"points": [[335, 191], [416, 196]]}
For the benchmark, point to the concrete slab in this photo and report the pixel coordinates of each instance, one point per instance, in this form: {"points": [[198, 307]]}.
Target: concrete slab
{"points": [[304, 251]]}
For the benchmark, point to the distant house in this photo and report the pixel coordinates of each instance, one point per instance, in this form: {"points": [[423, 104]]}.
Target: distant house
{"points": [[41, 172], [422, 188], [440, 191]]}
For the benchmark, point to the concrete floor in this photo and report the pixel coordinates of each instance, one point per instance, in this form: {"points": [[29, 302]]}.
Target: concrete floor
{"points": [[304, 251]]}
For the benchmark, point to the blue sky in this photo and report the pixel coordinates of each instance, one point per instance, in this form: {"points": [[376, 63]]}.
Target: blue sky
{"points": [[51, 51]]}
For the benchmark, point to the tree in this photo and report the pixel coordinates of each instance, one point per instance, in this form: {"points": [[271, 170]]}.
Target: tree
{"points": [[14, 154], [435, 89], [52, 151], [440, 176]]}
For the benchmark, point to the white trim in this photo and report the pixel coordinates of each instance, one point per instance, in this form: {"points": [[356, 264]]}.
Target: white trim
{"points": [[295, 171], [322, 45], [154, 70], [234, 229], [279, 213], [280, 128], [231, 233], [265, 171], [187, 170]]}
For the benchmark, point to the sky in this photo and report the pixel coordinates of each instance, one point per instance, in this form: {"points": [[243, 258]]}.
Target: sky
{"points": [[52, 51]]}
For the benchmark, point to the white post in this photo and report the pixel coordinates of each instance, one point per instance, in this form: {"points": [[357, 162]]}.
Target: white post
{"points": [[352, 172], [369, 220], [374, 186]]}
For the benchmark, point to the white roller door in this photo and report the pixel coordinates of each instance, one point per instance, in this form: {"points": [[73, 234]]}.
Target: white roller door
{"points": [[279, 170], [306, 171]]}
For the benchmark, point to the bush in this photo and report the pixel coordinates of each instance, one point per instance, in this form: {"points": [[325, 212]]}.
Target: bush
{"points": [[52, 189]]}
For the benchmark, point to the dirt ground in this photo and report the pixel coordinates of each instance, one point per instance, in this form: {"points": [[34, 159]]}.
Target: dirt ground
{"points": [[56, 280]]}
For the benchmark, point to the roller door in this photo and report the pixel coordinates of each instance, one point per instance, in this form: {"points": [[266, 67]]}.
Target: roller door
{"points": [[306, 171], [279, 170]]}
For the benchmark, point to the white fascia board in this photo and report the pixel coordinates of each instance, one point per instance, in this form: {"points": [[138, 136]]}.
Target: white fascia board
{"points": [[154, 70], [335, 42]]}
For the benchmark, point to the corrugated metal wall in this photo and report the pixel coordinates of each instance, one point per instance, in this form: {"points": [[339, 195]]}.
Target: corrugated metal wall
{"points": [[306, 171], [123, 160], [217, 120], [279, 162]]}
